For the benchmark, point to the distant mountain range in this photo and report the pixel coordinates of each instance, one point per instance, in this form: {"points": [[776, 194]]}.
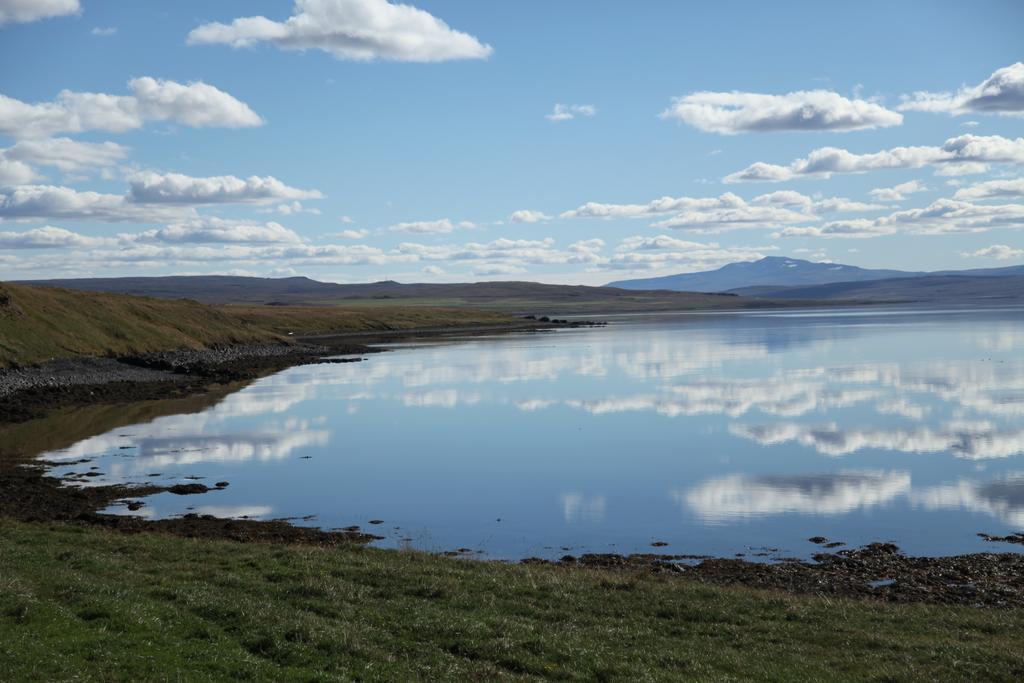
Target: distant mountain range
{"points": [[767, 282], [512, 297], [770, 274]]}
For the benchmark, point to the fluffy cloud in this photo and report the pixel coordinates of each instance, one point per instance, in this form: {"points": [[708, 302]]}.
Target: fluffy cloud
{"points": [[65, 154], [1001, 93], [151, 197], [49, 201], [438, 227], [656, 207], [735, 215], [639, 253], [993, 189], [899, 192], [197, 104], [727, 211], [567, 112], [790, 198], [360, 30], [218, 231], [356, 234], [528, 216], [14, 172], [942, 216], [729, 113], [49, 237], [1001, 252], [23, 11], [962, 154], [174, 188]]}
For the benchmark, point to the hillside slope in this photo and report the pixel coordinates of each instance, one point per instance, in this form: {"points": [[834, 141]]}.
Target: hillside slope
{"points": [[775, 271], [771, 270], [511, 297], [40, 323]]}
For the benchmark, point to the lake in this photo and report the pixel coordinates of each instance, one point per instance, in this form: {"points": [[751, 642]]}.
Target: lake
{"points": [[719, 434]]}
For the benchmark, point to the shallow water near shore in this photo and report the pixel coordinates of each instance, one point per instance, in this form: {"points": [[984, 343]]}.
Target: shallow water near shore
{"points": [[717, 434]]}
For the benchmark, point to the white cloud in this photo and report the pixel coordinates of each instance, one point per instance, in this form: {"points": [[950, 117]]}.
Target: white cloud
{"points": [[103, 31], [218, 231], [943, 216], [899, 192], [24, 11], [962, 154], [992, 189], [438, 227], [290, 209], [662, 252], [725, 212], [729, 113], [14, 173], [49, 201], [567, 112], [353, 234], [528, 216], [149, 187], [488, 269], [1001, 93], [790, 198], [844, 205], [66, 154], [194, 104], [658, 206], [1000, 252], [359, 30], [49, 237]]}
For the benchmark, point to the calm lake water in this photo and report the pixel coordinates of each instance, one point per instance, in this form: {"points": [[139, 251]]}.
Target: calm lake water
{"points": [[714, 433]]}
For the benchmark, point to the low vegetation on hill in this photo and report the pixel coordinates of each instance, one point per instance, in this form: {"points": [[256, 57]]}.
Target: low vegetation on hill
{"points": [[41, 323]]}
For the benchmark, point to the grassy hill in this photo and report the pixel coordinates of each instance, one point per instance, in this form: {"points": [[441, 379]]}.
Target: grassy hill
{"points": [[510, 297], [40, 323]]}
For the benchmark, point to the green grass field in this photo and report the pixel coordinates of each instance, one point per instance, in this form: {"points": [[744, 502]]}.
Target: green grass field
{"points": [[88, 604], [41, 323]]}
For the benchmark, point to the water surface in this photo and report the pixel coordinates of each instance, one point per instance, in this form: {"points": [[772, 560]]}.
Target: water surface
{"points": [[714, 433]]}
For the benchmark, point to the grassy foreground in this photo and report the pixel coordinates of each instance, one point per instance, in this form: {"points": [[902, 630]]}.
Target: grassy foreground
{"points": [[41, 323], [98, 605]]}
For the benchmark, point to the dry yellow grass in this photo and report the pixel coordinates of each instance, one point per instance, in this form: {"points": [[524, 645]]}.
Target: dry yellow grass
{"points": [[42, 323]]}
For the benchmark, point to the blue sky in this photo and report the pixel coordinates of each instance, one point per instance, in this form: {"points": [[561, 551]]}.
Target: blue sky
{"points": [[361, 140]]}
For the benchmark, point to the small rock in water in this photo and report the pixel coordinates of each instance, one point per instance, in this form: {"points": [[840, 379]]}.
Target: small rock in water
{"points": [[187, 489], [818, 539], [659, 544], [222, 484], [376, 521]]}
